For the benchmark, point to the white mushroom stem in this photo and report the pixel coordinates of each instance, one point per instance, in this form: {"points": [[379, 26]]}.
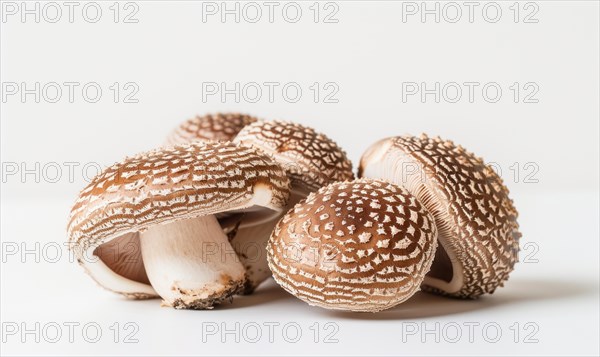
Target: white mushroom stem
{"points": [[190, 263], [251, 246], [250, 243]]}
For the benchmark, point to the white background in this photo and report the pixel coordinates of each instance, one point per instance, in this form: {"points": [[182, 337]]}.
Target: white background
{"points": [[176, 48]]}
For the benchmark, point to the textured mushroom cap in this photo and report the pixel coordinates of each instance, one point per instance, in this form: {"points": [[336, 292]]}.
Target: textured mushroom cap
{"points": [[168, 185], [311, 159], [211, 127], [364, 245], [476, 220]]}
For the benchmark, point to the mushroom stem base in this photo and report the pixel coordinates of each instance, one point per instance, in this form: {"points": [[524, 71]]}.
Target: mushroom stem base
{"points": [[196, 300]]}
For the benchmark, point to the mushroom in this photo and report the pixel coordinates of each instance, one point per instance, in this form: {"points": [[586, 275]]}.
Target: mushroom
{"points": [[223, 127], [166, 202], [364, 245], [211, 127], [476, 220], [311, 160]]}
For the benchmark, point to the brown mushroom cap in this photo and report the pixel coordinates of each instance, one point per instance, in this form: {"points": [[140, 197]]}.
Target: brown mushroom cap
{"points": [[364, 245], [164, 186], [211, 127], [312, 160], [476, 220]]}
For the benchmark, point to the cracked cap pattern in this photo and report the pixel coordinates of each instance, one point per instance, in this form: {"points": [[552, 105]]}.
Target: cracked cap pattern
{"points": [[172, 184], [211, 127], [311, 159], [476, 219], [364, 245]]}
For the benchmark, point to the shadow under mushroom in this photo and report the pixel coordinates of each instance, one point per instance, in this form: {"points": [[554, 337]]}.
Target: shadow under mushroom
{"points": [[423, 305], [523, 291]]}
